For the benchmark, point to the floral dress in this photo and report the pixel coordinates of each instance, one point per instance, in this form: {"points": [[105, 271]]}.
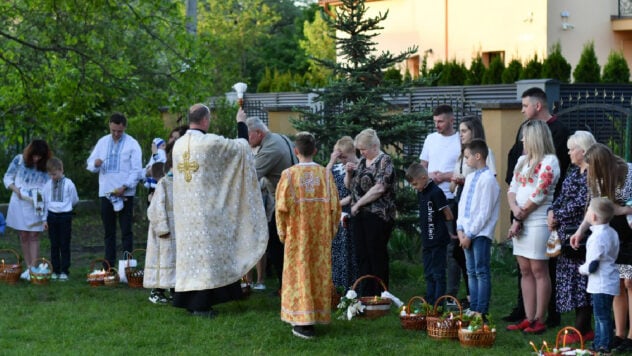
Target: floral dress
{"points": [[344, 268], [569, 208]]}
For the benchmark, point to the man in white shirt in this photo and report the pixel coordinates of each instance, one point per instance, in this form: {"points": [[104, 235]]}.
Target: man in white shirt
{"points": [[439, 155], [117, 158]]}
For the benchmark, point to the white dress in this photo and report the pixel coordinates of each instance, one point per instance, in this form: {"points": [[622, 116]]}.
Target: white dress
{"points": [[538, 188], [160, 259], [21, 214]]}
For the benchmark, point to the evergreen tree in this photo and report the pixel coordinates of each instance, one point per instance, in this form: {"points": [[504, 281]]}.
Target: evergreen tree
{"points": [[616, 69], [555, 66], [532, 70], [434, 74], [453, 73], [476, 72], [587, 69], [356, 98], [512, 72], [493, 74]]}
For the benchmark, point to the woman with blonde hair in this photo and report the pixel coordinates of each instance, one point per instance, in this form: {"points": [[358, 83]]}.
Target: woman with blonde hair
{"points": [[530, 195], [564, 215], [371, 182], [610, 176]]}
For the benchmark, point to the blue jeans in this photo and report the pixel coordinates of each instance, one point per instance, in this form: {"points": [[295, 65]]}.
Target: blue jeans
{"points": [[477, 260], [435, 267], [602, 309]]}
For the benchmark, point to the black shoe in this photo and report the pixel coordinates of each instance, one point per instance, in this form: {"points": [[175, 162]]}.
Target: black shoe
{"points": [[205, 313], [304, 332], [553, 320], [516, 315], [624, 346], [616, 342]]}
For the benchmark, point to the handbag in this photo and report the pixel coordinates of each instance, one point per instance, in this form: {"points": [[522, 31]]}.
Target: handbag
{"points": [[568, 251], [127, 262], [620, 224], [553, 245]]}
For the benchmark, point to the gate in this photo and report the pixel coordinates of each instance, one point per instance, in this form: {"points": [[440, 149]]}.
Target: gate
{"points": [[607, 114]]}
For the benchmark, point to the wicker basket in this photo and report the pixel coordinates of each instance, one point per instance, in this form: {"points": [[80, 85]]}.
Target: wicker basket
{"points": [[413, 321], [375, 306], [478, 338], [95, 277], [41, 278], [111, 278], [560, 343], [10, 272], [136, 274], [439, 327]]}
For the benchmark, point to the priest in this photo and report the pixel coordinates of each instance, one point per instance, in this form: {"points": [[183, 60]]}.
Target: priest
{"points": [[220, 223]]}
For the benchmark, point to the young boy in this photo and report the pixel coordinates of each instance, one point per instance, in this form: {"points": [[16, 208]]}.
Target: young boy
{"points": [[307, 213], [60, 196], [435, 220], [158, 155], [602, 249], [478, 214]]}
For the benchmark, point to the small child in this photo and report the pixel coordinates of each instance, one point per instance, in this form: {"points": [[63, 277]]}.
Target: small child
{"points": [[436, 225], [478, 214], [602, 249], [307, 212], [60, 196], [158, 155]]}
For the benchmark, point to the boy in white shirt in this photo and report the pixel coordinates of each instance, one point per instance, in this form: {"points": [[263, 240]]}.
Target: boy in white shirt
{"points": [[602, 249], [159, 155]]}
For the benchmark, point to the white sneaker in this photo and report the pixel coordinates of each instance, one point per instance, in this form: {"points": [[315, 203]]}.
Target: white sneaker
{"points": [[63, 277], [259, 286], [54, 276], [26, 275]]}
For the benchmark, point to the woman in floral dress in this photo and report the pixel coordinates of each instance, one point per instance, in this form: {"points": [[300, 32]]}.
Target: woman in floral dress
{"points": [[344, 268], [566, 214]]}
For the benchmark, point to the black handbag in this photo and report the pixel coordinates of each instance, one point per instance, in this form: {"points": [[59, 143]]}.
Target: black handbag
{"points": [[620, 224], [568, 251]]}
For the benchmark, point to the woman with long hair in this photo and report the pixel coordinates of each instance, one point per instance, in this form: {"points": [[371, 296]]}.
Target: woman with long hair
{"points": [[26, 177], [530, 195]]}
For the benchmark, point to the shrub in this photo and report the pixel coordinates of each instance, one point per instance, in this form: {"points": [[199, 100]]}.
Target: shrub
{"points": [[476, 72], [494, 73], [393, 76], [587, 70], [533, 69], [616, 69], [512, 72], [434, 74], [555, 66], [453, 73]]}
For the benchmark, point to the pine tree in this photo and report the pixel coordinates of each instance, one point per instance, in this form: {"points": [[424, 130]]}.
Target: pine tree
{"points": [[532, 70], [616, 69], [494, 73], [476, 72], [587, 69], [555, 66], [511, 74]]}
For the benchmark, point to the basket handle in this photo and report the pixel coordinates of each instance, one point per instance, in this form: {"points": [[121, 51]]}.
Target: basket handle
{"points": [[17, 256], [411, 300], [355, 284], [564, 332], [458, 304], [130, 255], [99, 260]]}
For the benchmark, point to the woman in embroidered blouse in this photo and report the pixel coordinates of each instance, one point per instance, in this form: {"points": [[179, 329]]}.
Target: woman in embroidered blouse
{"points": [[344, 268], [567, 211], [530, 195], [25, 176], [610, 176], [371, 183]]}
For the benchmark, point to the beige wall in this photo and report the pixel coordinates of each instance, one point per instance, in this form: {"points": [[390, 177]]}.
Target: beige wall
{"points": [[519, 28]]}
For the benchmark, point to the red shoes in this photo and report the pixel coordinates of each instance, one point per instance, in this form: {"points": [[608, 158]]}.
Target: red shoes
{"points": [[529, 327], [520, 326], [574, 338]]}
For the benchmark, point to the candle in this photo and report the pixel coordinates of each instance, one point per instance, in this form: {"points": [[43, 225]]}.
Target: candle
{"points": [[545, 345], [564, 338], [534, 348]]}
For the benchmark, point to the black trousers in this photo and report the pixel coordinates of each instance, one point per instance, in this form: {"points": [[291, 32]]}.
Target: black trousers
{"points": [[125, 219], [371, 234], [275, 251], [59, 233]]}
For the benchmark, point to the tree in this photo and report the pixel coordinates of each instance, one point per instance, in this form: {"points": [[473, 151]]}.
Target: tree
{"points": [[511, 74], [533, 69], [587, 69], [476, 72], [318, 43], [355, 98], [494, 73], [453, 73], [616, 69], [555, 66]]}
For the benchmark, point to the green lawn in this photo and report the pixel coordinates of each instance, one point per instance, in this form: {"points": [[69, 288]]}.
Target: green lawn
{"points": [[74, 318]]}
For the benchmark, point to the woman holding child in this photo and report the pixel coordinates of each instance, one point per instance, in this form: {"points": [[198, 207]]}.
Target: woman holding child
{"points": [[530, 195], [564, 215], [371, 183]]}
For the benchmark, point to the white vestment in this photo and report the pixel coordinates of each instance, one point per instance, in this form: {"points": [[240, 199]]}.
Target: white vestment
{"points": [[220, 221]]}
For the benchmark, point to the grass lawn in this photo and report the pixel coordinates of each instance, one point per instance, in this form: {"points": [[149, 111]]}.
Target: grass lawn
{"points": [[69, 318]]}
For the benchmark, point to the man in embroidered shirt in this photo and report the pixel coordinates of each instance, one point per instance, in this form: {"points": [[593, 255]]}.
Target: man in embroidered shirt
{"points": [[117, 158]]}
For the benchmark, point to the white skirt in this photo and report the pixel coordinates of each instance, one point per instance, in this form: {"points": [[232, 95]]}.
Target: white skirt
{"points": [[531, 242], [21, 215]]}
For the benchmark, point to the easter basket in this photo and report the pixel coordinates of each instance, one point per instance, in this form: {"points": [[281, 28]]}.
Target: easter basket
{"points": [[375, 306], [560, 344], [111, 278], [97, 276], [41, 275], [477, 334], [135, 274], [10, 272], [441, 327], [412, 319]]}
